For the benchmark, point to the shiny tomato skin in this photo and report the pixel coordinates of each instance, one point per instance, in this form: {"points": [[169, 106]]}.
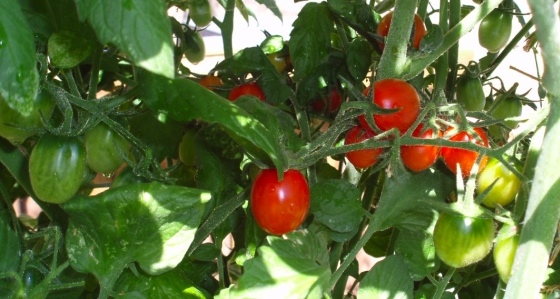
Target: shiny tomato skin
{"points": [[279, 207], [16, 127], [504, 190], [494, 30], [196, 49], [333, 102], [279, 60], [393, 94], [200, 12], [504, 251], [252, 89], [361, 158], [103, 148], [419, 29], [211, 82], [470, 94], [420, 157], [56, 168], [465, 158], [460, 240]]}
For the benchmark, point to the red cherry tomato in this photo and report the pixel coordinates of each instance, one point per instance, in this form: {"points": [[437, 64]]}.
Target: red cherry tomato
{"points": [[420, 157], [252, 89], [393, 94], [361, 158], [465, 158], [333, 103], [419, 29], [211, 82], [279, 207]]}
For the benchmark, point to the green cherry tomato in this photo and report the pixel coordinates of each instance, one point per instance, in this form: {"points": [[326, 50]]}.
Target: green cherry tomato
{"points": [[56, 168], [506, 245], [195, 48], [460, 240], [67, 49], [470, 94], [279, 60], [279, 207], [505, 107], [187, 147], [494, 30], [16, 127], [105, 149], [200, 12], [504, 190]]}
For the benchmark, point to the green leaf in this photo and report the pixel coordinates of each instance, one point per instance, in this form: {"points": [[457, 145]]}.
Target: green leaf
{"points": [[10, 253], [358, 58], [387, 279], [358, 14], [151, 224], [337, 205], [172, 284], [19, 79], [417, 249], [310, 39], [379, 243], [271, 4], [295, 267], [406, 196], [184, 100], [140, 28], [254, 61]]}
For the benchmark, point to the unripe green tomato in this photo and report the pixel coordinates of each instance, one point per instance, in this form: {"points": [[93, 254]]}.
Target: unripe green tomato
{"points": [[494, 30], [187, 148], [504, 190], [200, 12], [509, 106], [67, 49], [505, 248], [16, 127], [196, 50], [105, 148], [470, 94]]}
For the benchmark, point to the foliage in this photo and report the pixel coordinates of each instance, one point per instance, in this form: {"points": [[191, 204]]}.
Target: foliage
{"points": [[101, 86]]}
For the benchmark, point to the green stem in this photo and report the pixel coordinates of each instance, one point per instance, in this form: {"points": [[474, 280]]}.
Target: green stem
{"points": [[393, 60], [442, 67], [226, 28], [442, 285], [543, 209], [418, 64], [94, 75], [453, 54]]}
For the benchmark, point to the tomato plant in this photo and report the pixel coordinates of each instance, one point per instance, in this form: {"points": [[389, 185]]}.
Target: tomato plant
{"points": [[506, 184], [200, 12], [332, 101], [506, 245], [105, 149], [420, 157], [494, 30], [393, 94], [57, 166], [361, 158], [453, 157], [418, 29], [187, 147], [279, 206], [195, 47], [506, 105], [247, 89], [470, 94], [461, 240]]}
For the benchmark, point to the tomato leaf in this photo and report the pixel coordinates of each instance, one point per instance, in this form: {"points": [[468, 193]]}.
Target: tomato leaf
{"points": [[357, 14], [172, 284], [9, 261], [19, 79], [151, 224], [310, 39], [358, 58], [271, 4], [417, 249], [184, 100], [300, 267], [405, 197], [387, 279], [337, 205], [140, 28]]}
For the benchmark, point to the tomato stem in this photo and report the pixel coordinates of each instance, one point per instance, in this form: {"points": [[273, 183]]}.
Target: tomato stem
{"points": [[442, 284]]}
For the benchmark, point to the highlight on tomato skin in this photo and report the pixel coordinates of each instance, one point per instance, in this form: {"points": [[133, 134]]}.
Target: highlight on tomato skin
{"points": [[280, 207], [421, 157], [462, 157], [365, 158]]}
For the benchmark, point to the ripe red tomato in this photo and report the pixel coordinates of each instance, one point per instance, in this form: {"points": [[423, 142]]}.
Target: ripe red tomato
{"points": [[393, 94], [211, 82], [252, 89], [419, 29], [361, 158], [279, 207], [420, 157], [465, 158], [333, 102]]}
